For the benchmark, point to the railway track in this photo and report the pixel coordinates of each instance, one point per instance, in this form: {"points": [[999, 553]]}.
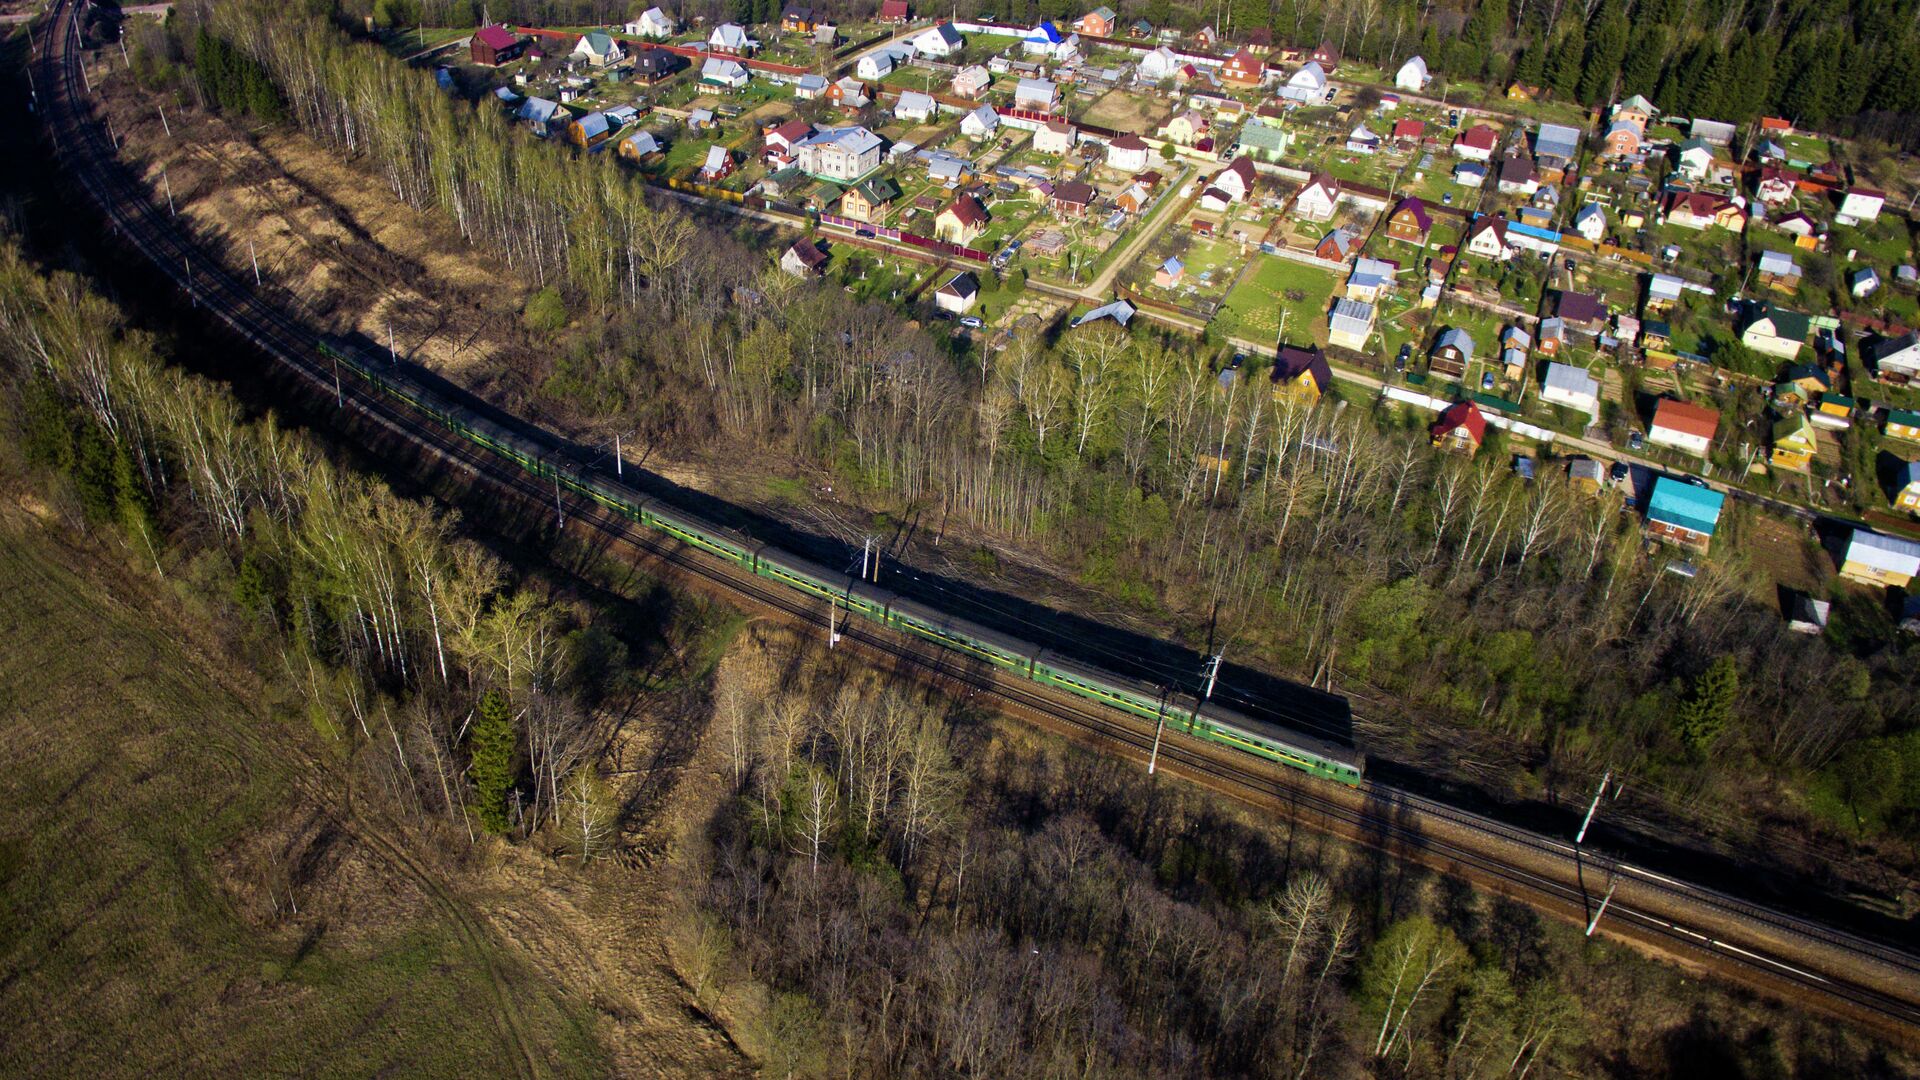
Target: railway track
{"points": [[1869, 982]]}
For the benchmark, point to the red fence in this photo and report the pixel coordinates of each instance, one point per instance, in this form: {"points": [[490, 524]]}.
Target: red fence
{"points": [[898, 235], [630, 44]]}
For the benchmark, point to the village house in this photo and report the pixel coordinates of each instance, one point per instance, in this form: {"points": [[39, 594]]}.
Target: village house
{"points": [[1794, 443], [1487, 238], [915, 106], [1157, 66], [1071, 198], [1778, 271], [875, 65], [1317, 199], [1370, 279], [1580, 311], [1452, 352], [1905, 488], [1694, 159], [896, 12], [718, 166], [869, 201], [842, 154], [1476, 143], [1412, 75], [652, 23], [959, 294], [1461, 427], [1409, 221], [803, 259], [1682, 513], [1243, 69], [1128, 153], [598, 48], [638, 145], [1702, 209], [1037, 95], [1874, 559], [1043, 39], [1553, 335], [731, 39], [1133, 198], [1775, 331], [543, 117], [939, 42], [1860, 204], [1301, 375], [810, 87], [1622, 140], [726, 74], [1186, 128], [1683, 426], [1894, 359], [1054, 137], [1236, 181], [1336, 246], [1361, 140], [651, 65], [1517, 174], [1862, 283], [1591, 222], [1350, 324], [972, 82], [962, 222], [1573, 388], [1470, 174], [850, 94], [1804, 230], [778, 142], [981, 123], [589, 132], [1169, 273], [1308, 85], [1663, 291], [495, 45], [1902, 424], [1100, 22], [1775, 186]]}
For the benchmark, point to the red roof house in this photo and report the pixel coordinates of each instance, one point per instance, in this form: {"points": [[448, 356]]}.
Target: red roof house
{"points": [[1461, 427]]}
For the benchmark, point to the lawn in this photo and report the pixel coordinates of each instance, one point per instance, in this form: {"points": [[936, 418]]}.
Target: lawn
{"points": [[1253, 308], [1882, 244], [150, 813], [1811, 149], [1124, 110]]}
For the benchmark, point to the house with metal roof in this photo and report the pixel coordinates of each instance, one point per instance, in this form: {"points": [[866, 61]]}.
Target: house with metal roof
{"points": [[1370, 278], [981, 123], [1775, 331], [1309, 84], [939, 41], [1572, 387], [1350, 323], [598, 48], [841, 154], [1412, 75], [914, 105], [724, 73], [543, 117], [1683, 426], [1119, 311], [1452, 352], [1875, 559], [1682, 513]]}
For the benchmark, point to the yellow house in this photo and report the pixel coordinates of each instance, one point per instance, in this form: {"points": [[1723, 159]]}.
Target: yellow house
{"points": [[1301, 375], [1906, 487], [1876, 559], [1794, 445], [1903, 425], [962, 221]]}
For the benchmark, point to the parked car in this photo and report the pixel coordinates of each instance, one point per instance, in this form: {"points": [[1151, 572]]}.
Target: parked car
{"points": [[1405, 354], [1486, 380], [1523, 466], [971, 322], [1619, 473], [1636, 441]]}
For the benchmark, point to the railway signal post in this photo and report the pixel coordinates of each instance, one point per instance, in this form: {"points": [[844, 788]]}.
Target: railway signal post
{"points": [[1159, 726], [1602, 910], [1581, 836]]}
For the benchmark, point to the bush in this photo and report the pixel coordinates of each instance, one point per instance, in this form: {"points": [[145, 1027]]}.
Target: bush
{"points": [[545, 312]]}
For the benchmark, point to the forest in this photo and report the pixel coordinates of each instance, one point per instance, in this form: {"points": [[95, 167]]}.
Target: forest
{"points": [[1839, 68], [1525, 627], [886, 882]]}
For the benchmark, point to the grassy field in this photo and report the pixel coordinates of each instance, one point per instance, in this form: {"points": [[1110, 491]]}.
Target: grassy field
{"points": [[1252, 309], [144, 843]]}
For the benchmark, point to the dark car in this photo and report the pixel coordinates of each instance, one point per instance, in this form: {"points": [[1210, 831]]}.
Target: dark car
{"points": [[1405, 354]]}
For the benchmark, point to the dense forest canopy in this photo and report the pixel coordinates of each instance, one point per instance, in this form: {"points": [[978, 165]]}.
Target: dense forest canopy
{"points": [[1844, 68]]}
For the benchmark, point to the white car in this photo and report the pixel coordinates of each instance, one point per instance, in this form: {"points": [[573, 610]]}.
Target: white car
{"points": [[972, 322]]}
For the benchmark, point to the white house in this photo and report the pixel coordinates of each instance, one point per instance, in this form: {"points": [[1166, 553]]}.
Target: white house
{"points": [[809, 86], [1042, 40], [940, 41], [842, 154], [1860, 204], [1696, 159], [1236, 180], [1307, 84], [732, 39], [959, 294], [1684, 427], [874, 66], [1412, 75], [1573, 387], [1054, 137], [1349, 324], [1898, 356], [1591, 222], [1157, 65], [652, 23], [1036, 94], [914, 105], [1317, 199], [981, 123], [1487, 238], [1128, 153], [599, 49], [724, 73]]}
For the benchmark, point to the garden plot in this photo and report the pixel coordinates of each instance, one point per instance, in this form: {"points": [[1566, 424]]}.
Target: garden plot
{"points": [[1274, 287]]}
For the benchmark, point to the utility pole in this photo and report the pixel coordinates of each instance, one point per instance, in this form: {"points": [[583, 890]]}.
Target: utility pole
{"points": [[1159, 726], [619, 463], [168, 181], [1595, 924], [866, 549], [394, 358], [112, 136], [168, 128], [1213, 674], [557, 511], [833, 632], [339, 400], [255, 256], [1581, 836]]}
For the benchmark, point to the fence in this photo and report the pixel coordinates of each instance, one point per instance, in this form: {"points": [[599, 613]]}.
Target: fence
{"points": [[705, 191], [901, 236]]}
